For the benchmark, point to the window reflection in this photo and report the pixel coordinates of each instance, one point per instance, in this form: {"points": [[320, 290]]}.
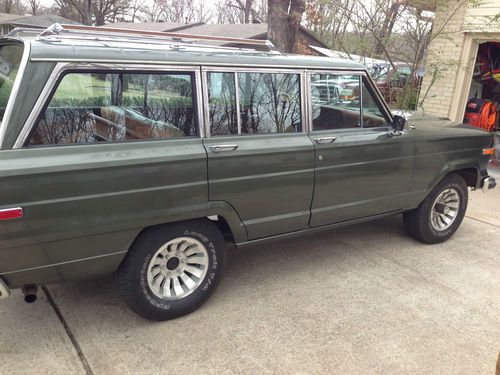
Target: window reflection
{"points": [[269, 103], [335, 101], [97, 107], [372, 113], [222, 104]]}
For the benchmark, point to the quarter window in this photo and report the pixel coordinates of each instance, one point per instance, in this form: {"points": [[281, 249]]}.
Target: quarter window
{"points": [[372, 112], [266, 102], [117, 107]]}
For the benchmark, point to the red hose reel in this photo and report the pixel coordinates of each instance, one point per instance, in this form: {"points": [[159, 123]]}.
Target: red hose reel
{"points": [[481, 114]]}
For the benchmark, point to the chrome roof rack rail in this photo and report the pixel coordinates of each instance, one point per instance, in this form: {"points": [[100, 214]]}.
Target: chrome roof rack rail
{"points": [[22, 32], [105, 33]]}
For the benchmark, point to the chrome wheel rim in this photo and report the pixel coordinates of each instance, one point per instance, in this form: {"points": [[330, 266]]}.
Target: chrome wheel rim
{"points": [[177, 268], [445, 209]]}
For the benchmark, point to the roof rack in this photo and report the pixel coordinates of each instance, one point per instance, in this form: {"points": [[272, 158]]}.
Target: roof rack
{"points": [[23, 32], [104, 33]]}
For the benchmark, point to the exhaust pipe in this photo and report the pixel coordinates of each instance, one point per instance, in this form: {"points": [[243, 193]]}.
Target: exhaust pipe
{"points": [[30, 293]]}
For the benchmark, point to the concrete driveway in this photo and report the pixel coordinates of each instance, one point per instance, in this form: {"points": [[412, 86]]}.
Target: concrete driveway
{"points": [[362, 299]]}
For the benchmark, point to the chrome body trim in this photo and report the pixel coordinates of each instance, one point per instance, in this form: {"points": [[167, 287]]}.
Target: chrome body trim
{"points": [[4, 289], [303, 100], [199, 103], [237, 100], [15, 89], [323, 140], [361, 122], [307, 101], [206, 106], [63, 67], [216, 65], [222, 148]]}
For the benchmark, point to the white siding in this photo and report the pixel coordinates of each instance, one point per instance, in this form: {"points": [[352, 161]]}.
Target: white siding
{"points": [[481, 18]]}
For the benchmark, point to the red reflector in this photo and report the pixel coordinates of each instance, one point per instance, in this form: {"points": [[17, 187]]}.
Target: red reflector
{"points": [[11, 213]]}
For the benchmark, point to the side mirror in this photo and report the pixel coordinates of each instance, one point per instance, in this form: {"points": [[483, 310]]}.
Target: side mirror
{"points": [[398, 123]]}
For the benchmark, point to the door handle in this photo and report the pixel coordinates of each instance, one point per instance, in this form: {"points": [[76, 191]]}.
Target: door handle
{"points": [[223, 148], [323, 140]]}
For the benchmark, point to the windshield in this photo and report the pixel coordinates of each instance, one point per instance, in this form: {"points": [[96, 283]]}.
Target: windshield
{"points": [[10, 59]]}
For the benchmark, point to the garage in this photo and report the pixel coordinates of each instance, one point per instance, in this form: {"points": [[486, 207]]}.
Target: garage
{"points": [[463, 66], [484, 93]]}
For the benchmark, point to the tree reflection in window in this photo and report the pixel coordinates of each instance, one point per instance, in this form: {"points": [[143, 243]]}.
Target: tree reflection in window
{"points": [[97, 107], [222, 104], [269, 103]]}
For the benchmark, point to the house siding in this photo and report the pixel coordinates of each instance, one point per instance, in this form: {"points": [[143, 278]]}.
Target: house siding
{"points": [[448, 52], [443, 60]]}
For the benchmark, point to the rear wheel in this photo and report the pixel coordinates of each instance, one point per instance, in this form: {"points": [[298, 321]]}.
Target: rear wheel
{"points": [[440, 214], [172, 269]]}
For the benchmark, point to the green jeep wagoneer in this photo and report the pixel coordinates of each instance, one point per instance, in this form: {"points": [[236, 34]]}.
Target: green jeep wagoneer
{"points": [[131, 153]]}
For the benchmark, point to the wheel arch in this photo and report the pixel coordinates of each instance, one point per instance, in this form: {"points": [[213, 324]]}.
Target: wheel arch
{"points": [[468, 169], [222, 214]]}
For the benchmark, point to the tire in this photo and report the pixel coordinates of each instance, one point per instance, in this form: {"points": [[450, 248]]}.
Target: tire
{"points": [[171, 270], [428, 222]]}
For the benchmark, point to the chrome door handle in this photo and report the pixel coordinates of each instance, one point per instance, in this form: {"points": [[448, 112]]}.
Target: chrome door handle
{"points": [[222, 148], [322, 140]]}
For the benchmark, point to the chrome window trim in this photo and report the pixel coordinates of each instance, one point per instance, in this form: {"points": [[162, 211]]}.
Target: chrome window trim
{"points": [[15, 90], [307, 101], [199, 102], [206, 65], [362, 74], [237, 99], [361, 122], [303, 100], [62, 67], [379, 98], [235, 70], [204, 99]]}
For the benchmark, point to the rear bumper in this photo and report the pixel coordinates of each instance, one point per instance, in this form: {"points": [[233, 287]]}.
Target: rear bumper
{"points": [[4, 289], [488, 183]]}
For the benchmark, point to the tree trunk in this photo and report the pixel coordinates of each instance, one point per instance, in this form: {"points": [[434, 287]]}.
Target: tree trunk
{"points": [[283, 21], [388, 25]]}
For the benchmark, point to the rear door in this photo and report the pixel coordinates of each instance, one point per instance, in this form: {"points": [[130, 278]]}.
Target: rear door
{"points": [[260, 160], [361, 168], [114, 150]]}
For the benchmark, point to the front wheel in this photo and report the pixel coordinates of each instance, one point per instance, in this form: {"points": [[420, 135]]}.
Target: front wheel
{"points": [[440, 214], [172, 269]]}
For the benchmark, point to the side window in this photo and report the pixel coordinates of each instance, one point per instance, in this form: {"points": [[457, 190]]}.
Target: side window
{"points": [[335, 101], [267, 103], [373, 115], [222, 103], [117, 107]]}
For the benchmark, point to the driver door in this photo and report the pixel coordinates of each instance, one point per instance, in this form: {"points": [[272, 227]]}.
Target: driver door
{"points": [[362, 169]]}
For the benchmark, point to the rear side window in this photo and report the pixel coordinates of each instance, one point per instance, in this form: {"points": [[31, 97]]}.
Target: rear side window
{"points": [[10, 59], [117, 107], [254, 103]]}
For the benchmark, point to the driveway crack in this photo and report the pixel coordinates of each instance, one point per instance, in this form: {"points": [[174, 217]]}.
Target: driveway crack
{"points": [[74, 341]]}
